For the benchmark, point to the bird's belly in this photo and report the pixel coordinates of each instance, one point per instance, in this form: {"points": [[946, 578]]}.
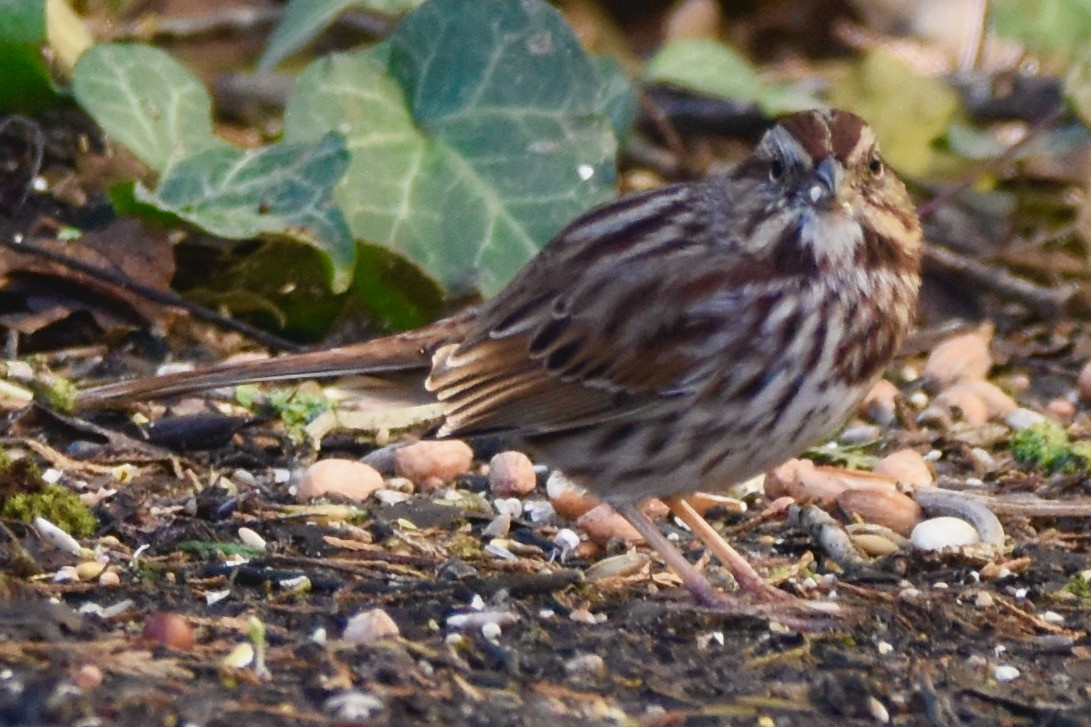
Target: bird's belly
{"points": [[766, 441]]}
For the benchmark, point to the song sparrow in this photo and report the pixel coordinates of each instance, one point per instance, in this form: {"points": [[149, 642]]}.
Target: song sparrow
{"points": [[682, 339]]}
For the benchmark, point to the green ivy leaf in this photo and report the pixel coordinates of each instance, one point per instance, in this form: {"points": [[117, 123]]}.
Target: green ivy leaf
{"points": [[22, 21], [711, 68], [284, 190], [304, 19], [476, 131], [146, 101]]}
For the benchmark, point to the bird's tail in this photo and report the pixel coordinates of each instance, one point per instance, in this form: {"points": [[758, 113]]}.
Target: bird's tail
{"points": [[401, 352]]}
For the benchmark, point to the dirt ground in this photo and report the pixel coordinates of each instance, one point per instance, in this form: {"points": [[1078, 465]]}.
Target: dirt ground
{"points": [[925, 639]]}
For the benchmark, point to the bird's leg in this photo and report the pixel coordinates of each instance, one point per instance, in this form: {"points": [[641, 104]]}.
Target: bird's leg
{"points": [[705, 593], [749, 579]]}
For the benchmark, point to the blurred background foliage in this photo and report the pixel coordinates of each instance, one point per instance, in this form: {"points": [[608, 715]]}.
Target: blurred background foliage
{"points": [[332, 168]]}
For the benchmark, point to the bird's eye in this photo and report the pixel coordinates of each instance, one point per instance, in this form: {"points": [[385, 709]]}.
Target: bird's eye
{"points": [[875, 165], [776, 170]]}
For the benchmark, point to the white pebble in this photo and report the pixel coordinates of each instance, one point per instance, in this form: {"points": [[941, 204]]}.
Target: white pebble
{"points": [[56, 537], [354, 706], [391, 497], [251, 538], [1005, 673], [1051, 617], [539, 511], [943, 532], [52, 475], [510, 506], [1022, 418], [481, 618], [878, 710], [566, 539], [66, 574], [984, 599], [281, 475], [491, 631], [884, 647]]}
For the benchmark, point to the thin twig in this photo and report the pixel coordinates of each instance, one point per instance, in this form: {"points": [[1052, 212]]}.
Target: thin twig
{"points": [[1046, 302], [163, 297]]}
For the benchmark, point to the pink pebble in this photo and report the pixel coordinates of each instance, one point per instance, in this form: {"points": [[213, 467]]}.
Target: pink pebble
{"points": [[433, 461], [602, 523], [511, 474], [345, 478]]}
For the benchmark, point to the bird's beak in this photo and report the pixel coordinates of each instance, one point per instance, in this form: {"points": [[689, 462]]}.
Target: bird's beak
{"points": [[827, 177]]}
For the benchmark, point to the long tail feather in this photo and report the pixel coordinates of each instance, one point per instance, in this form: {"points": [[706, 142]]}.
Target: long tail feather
{"points": [[402, 352]]}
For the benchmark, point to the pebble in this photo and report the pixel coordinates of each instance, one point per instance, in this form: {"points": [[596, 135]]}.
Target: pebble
{"points": [[617, 566], [353, 706], [1022, 418], [491, 631], [345, 478], [962, 358], [168, 629], [1061, 409], [1005, 673], [982, 459], [368, 627], [878, 711], [109, 578], [880, 404], [511, 474], [510, 506], [251, 538], [89, 570], [499, 526], [539, 511], [860, 434], [800, 479], [477, 619], [566, 539], [88, 677], [569, 500], [984, 599], [873, 545], [429, 463], [391, 497], [585, 664], [583, 616], [907, 467], [602, 523], [943, 532], [56, 537], [1083, 382], [883, 507], [976, 401]]}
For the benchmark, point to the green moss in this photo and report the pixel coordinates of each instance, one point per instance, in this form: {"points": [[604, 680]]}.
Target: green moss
{"points": [[54, 503], [1046, 445], [1080, 586], [58, 393], [295, 409]]}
